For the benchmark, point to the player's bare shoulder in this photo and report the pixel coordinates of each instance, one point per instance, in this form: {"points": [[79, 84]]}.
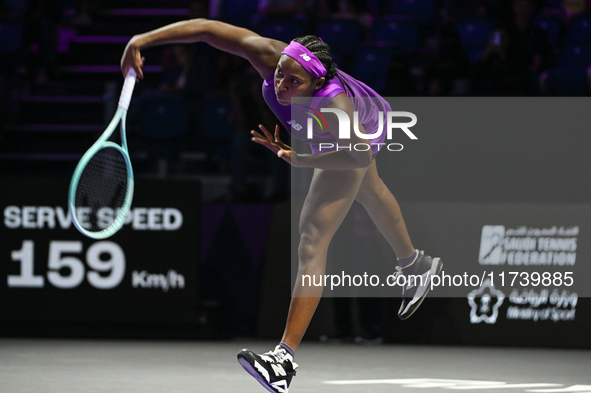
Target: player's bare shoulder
{"points": [[263, 53]]}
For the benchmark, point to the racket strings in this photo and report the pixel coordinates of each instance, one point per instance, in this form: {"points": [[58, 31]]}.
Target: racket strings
{"points": [[103, 184]]}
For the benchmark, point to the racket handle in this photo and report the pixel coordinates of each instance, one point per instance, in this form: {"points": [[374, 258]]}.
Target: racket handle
{"points": [[127, 90]]}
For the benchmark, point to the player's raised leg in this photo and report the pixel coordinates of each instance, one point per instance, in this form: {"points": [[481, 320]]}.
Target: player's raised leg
{"points": [[385, 212]]}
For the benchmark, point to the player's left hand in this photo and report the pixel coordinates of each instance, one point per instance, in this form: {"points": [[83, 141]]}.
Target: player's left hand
{"points": [[275, 144], [289, 156]]}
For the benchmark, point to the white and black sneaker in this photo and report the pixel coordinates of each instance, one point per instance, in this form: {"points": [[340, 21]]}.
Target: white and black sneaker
{"points": [[417, 283], [274, 369]]}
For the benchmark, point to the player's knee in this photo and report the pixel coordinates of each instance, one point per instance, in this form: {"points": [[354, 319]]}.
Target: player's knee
{"points": [[309, 250], [368, 196], [362, 197], [306, 248]]}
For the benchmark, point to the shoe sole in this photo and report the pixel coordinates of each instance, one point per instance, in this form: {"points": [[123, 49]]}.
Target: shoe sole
{"points": [[436, 267], [250, 369]]}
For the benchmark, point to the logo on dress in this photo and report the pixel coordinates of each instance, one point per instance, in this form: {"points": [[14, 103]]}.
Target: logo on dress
{"points": [[294, 124]]}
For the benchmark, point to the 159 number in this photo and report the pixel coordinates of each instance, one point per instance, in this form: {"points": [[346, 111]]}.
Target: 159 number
{"points": [[101, 257]]}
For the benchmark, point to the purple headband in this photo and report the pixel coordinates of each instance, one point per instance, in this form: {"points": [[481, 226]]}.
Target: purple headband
{"points": [[307, 59]]}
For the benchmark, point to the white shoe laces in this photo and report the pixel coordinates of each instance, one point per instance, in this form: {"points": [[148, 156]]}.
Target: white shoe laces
{"points": [[398, 272], [278, 354]]}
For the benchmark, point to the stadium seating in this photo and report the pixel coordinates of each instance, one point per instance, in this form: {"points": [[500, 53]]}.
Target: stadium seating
{"points": [[371, 66], [402, 35]]}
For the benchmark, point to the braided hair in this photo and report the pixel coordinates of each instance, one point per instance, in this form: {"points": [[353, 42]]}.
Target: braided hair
{"points": [[322, 51]]}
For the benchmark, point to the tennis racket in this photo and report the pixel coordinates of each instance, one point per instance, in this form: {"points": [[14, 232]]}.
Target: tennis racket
{"points": [[101, 189]]}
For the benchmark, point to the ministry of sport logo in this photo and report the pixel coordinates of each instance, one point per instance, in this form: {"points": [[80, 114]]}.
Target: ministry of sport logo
{"points": [[392, 122], [485, 302]]}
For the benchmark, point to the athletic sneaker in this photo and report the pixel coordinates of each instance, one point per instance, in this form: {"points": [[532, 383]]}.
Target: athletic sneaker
{"points": [[418, 282], [274, 369]]}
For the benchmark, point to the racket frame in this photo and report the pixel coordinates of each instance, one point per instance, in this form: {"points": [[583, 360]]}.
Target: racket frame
{"points": [[103, 142]]}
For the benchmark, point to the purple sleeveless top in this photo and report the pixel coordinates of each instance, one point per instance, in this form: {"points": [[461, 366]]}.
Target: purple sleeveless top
{"points": [[296, 122]]}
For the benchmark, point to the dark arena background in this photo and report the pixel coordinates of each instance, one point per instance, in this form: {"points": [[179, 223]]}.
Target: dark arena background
{"points": [[202, 266]]}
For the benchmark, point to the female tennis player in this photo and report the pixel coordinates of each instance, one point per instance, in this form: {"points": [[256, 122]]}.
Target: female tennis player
{"points": [[304, 68]]}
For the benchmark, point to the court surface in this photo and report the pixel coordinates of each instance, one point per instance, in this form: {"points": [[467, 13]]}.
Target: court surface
{"points": [[75, 366]]}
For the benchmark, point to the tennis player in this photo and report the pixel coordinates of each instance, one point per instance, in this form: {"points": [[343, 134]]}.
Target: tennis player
{"points": [[304, 68]]}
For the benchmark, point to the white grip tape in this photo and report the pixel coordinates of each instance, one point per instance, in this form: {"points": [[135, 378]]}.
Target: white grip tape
{"points": [[127, 90]]}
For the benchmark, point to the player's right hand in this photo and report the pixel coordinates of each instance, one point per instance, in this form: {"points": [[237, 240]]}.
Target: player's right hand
{"points": [[132, 58], [272, 143]]}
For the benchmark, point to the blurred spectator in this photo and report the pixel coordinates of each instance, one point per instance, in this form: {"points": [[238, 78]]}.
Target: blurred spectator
{"points": [[528, 49], [14, 9], [4, 99], [400, 81], [4, 10], [356, 10], [11, 23], [448, 67], [244, 88], [569, 10], [220, 66], [463, 9], [515, 55], [493, 71], [40, 37], [191, 75], [573, 8], [84, 10], [199, 9], [295, 9], [249, 158]]}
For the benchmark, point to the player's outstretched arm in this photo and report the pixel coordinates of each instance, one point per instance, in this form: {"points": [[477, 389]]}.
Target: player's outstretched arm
{"points": [[263, 53]]}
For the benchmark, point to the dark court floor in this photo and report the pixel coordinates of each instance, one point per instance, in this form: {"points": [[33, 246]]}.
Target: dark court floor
{"points": [[75, 366]]}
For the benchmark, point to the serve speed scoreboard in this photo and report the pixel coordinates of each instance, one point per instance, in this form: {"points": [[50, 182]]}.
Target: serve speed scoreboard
{"points": [[146, 272]]}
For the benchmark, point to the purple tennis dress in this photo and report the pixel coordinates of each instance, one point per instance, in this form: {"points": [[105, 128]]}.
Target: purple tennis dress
{"points": [[294, 117]]}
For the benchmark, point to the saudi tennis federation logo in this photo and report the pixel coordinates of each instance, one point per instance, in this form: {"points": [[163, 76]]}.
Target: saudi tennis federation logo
{"points": [[485, 302], [491, 245]]}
